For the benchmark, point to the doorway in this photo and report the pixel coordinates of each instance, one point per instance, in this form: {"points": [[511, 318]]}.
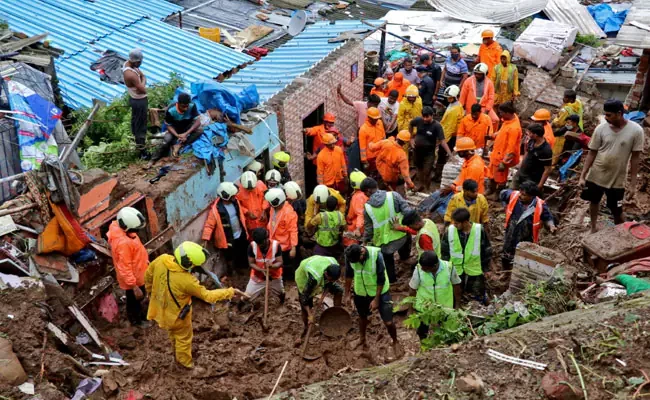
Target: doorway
{"points": [[313, 119]]}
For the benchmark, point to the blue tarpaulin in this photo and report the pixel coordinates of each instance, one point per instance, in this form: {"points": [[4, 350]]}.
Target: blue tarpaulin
{"points": [[210, 94], [212, 143], [607, 19]]}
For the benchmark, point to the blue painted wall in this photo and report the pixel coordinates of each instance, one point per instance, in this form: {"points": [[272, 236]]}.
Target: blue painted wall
{"points": [[199, 191]]}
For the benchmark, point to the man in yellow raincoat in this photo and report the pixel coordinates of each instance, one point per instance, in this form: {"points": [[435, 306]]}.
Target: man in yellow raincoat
{"points": [[170, 281], [506, 80]]}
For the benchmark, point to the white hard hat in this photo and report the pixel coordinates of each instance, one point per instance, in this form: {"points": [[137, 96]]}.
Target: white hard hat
{"points": [[481, 67], [130, 219], [321, 193], [248, 180], [275, 196], [226, 190], [273, 175], [292, 189], [452, 91], [254, 166]]}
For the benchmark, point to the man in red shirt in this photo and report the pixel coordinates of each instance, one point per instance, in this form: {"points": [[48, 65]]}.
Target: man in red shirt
{"points": [[426, 231]]}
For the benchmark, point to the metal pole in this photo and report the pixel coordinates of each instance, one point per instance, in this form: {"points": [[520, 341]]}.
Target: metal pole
{"points": [[180, 20], [404, 39], [382, 51], [82, 132]]}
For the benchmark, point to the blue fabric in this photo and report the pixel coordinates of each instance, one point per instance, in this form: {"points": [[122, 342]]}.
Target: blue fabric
{"points": [[436, 204], [210, 94], [206, 147], [564, 170], [636, 116], [608, 20]]}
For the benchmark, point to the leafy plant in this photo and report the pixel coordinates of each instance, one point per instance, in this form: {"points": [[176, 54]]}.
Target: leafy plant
{"points": [[3, 24], [590, 40]]}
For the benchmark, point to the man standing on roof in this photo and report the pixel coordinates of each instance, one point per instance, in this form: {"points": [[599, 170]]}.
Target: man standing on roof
{"points": [[136, 83], [331, 168], [506, 80], [392, 164], [283, 228], [251, 201], [372, 131], [489, 53], [478, 89], [477, 126]]}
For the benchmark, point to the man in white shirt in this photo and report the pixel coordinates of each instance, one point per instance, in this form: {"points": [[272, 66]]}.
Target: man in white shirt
{"points": [[388, 109]]}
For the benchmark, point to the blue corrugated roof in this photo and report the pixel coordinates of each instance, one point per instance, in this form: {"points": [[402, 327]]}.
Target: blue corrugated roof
{"points": [[84, 29], [276, 71]]}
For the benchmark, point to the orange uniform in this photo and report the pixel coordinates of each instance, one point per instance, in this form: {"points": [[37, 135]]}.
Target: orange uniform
{"points": [[369, 133], [130, 257], [506, 149], [213, 224], [253, 201], [491, 56], [354, 218], [331, 168], [379, 92], [318, 132], [548, 134], [468, 98], [283, 226], [398, 83], [391, 161], [475, 169], [476, 130]]}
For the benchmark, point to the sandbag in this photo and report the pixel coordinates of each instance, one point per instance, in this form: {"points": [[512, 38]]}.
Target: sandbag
{"points": [[11, 370]]}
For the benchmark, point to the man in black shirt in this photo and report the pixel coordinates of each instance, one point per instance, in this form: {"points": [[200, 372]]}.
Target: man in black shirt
{"points": [[537, 163], [428, 135], [427, 87], [182, 126]]}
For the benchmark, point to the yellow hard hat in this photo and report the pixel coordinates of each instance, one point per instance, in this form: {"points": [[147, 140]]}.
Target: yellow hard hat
{"points": [[281, 159], [190, 254], [412, 91], [356, 177]]}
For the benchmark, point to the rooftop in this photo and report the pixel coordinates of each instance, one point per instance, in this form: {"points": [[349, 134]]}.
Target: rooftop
{"points": [[634, 36]]}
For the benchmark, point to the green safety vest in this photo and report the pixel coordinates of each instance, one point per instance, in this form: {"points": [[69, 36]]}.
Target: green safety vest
{"points": [[329, 229], [365, 275], [468, 261], [436, 288], [314, 266], [382, 229], [511, 75], [430, 229]]}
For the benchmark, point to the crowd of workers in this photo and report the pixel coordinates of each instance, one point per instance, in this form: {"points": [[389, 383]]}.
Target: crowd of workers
{"points": [[358, 218]]}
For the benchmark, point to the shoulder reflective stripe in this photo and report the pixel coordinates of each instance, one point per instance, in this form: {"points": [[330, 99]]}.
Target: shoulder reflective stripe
{"points": [[451, 236], [476, 251], [371, 214], [391, 205]]}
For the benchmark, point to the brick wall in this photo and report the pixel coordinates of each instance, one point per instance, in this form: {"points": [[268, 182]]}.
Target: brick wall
{"points": [[301, 98], [636, 93]]}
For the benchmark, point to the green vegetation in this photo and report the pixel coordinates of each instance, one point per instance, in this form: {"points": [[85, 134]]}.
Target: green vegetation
{"points": [[512, 32], [109, 143], [3, 24], [590, 40]]}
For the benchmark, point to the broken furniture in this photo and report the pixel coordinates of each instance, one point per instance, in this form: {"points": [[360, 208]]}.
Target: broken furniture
{"points": [[615, 245], [533, 263]]}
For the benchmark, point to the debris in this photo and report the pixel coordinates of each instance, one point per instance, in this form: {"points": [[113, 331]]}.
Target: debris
{"points": [[617, 244], [471, 383], [556, 386], [27, 388], [87, 387], [278, 381], [7, 225], [11, 371], [17, 45], [108, 307], [533, 264], [572, 13], [525, 363], [501, 12], [83, 320], [543, 42], [263, 17]]}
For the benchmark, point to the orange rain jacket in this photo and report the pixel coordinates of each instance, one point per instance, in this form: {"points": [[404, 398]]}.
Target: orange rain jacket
{"points": [[475, 169], [318, 132], [391, 161], [369, 133], [379, 92], [253, 201], [468, 98], [398, 83], [548, 134], [477, 130], [507, 141], [355, 216], [331, 167], [491, 56], [283, 226], [214, 225], [130, 258]]}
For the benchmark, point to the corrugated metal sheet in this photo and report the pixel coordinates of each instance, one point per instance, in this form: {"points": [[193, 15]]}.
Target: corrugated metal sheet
{"points": [[630, 35], [489, 11], [572, 13], [276, 71], [358, 10], [84, 30]]}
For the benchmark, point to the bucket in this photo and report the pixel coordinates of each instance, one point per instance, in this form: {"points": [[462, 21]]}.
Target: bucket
{"points": [[213, 34], [372, 56], [335, 322]]}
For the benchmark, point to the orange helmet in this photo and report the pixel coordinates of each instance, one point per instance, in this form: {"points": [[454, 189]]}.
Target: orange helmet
{"points": [[404, 136], [329, 117], [541, 115], [379, 81], [374, 113], [464, 143], [328, 138], [487, 34]]}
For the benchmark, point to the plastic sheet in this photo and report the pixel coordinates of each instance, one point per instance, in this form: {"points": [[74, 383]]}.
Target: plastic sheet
{"points": [[209, 94], [607, 19]]}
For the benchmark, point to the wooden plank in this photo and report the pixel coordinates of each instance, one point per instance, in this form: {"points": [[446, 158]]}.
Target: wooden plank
{"points": [[22, 43]]}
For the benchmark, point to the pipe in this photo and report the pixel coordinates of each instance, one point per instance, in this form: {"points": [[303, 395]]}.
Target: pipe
{"points": [[180, 20], [382, 54], [404, 39], [80, 135], [200, 18], [17, 209]]}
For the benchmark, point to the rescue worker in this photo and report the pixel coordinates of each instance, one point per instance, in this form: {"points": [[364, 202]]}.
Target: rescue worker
{"points": [[506, 150], [251, 199], [331, 168], [380, 87], [257, 168], [130, 259], [471, 199], [454, 113], [427, 236], [281, 161], [171, 284], [354, 218], [295, 197], [316, 202], [392, 164], [283, 228], [400, 84], [477, 126], [318, 131], [571, 106], [379, 211], [264, 257], [506, 80], [273, 178], [473, 165], [370, 132], [226, 223], [489, 53], [434, 281], [409, 109], [543, 117], [315, 275], [366, 267], [467, 247], [429, 135], [327, 226], [478, 89], [525, 214]]}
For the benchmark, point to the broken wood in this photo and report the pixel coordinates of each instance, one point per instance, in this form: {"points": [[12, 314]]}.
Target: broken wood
{"points": [[238, 127], [17, 209], [68, 341], [83, 320], [17, 45], [77, 364], [160, 239]]}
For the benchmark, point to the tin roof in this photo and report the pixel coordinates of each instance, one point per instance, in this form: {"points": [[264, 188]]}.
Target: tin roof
{"points": [[633, 36], [572, 13], [489, 11], [85, 29], [299, 55]]}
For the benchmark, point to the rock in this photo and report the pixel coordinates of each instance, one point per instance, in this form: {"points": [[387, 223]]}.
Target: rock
{"points": [[555, 342], [555, 390], [455, 347], [11, 370], [471, 383]]}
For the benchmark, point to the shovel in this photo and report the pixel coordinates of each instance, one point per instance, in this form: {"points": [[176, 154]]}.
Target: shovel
{"points": [[311, 325]]}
